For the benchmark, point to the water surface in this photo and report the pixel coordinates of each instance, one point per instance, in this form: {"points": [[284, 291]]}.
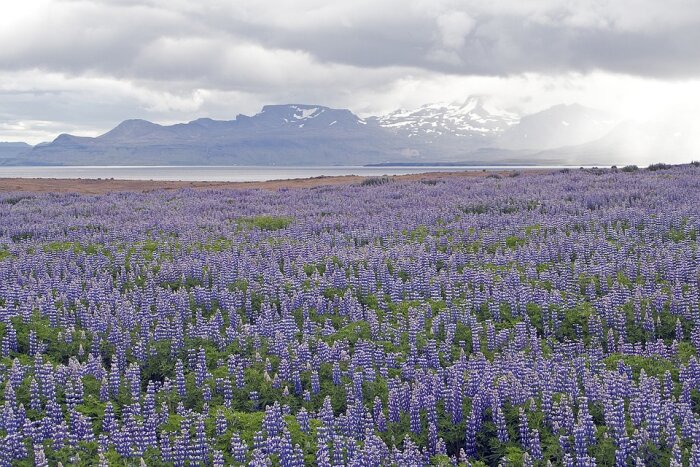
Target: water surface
{"points": [[227, 173]]}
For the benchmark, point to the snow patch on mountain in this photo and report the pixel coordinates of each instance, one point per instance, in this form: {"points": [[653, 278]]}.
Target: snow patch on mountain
{"points": [[304, 113], [472, 117]]}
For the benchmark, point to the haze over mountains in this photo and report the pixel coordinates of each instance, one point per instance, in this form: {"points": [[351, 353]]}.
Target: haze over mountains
{"points": [[470, 132]]}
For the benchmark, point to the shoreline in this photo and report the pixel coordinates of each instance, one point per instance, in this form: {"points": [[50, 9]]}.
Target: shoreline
{"points": [[100, 186]]}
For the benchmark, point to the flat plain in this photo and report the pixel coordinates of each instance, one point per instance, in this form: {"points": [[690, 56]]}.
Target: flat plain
{"points": [[98, 186]]}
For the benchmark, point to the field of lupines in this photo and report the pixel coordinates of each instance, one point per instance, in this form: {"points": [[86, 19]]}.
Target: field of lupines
{"points": [[517, 320]]}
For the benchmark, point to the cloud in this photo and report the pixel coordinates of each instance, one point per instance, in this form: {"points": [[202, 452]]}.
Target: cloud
{"points": [[489, 37], [454, 28], [167, 60]]}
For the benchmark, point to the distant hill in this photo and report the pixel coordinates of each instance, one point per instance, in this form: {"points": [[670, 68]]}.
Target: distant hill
{"points": [[12, 150], [633, 142], [561, 125]]}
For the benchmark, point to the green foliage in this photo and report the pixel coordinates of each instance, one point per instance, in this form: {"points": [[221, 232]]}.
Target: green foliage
{"points": [[240, 284], [679, 235], [159, 364], [652, 366], [352, 332], [418, 234], [575, 321], [4, 253], [534, 228], [265, 222], [514, 455], [514, 242], [218, 244], [685, 351], [76, 247], [441, 460]]}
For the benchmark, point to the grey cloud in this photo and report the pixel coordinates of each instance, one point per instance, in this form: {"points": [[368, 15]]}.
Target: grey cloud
{"points": [[222, 40], [168, 60]]}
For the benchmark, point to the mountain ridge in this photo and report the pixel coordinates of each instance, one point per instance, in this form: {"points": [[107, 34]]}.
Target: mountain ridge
{"points": [[299, 134]]}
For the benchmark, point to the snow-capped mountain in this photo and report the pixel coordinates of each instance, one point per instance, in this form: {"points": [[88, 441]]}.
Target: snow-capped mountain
{"points": [[472, 118], [303, 117]]}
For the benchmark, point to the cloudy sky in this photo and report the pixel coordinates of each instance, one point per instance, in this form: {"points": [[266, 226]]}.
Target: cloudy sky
{"points": [[82, 66]]}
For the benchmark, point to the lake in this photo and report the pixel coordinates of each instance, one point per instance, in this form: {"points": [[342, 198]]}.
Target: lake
{"points": [[228, 173]]}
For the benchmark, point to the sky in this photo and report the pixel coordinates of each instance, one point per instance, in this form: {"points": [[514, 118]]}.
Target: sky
{"points": [[82, 66]]}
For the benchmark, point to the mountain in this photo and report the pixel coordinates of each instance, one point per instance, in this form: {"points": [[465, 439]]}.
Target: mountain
{"points": [[273, 118], [130, 131], [11, 150], [469, 119], [472, 128], [561, 125], [630, 142], [292, 134], [298, 134]]}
